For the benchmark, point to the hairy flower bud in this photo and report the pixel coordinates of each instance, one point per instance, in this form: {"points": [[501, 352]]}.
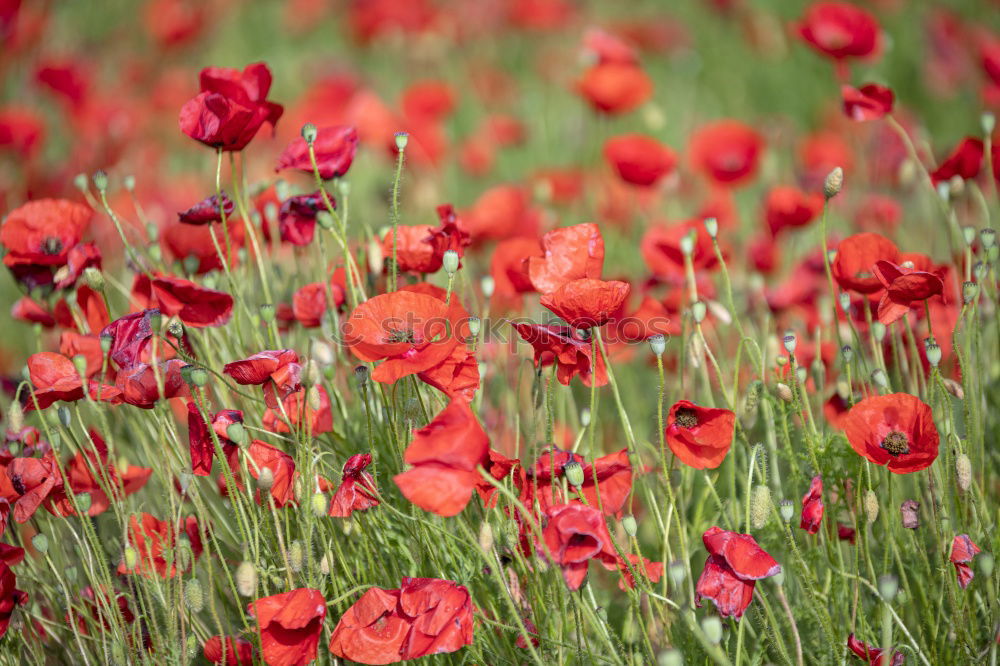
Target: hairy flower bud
{"points": [[712, 227], [319, 504], [15, 417], [963, 472], [784, 392], [487, 285], [910, 513], [760, 506], [40, 542], [870, 503], [265, 479], [246, 579], [698, 311], [485, 537], [296, 555], [711, 625], [131, 557], [833, 184], [194, 596], [83, 502]]}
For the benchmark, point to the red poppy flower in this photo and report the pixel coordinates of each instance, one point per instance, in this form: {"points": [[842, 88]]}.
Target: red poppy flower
{"points": [[566, 347], [661, 250], [200, 439], [613, 474], [648, 569], [812, 506], [638, 159], [357, 490], [788, 206], [615, 87], [726, 152], [39, 236], [869, 102], [457, 376], [962, 552], [189, 243], [699, 436], [420, 248], [239, 652], [311, 301], [735, 563], [22, 131], [412, 332], [852, 267], [10, 597], [840, 30], [499, 467], [903, 286], [80, 257], [501, 212], [425, 616], [140, 384], [152, 539], [574, 534], [895, 430], [117, 478], [290, 624], [569, 253], [444, 455], [297, 217], [54, 377], [231, 107], [193, 304], [259, 456], [319, 420], [34, 481], [965, 161], [846, 532], [586, 303], [873, 655], [509, 270], [130, 336], [334, 148], [606, 47], [278, 371], [207, 211]]}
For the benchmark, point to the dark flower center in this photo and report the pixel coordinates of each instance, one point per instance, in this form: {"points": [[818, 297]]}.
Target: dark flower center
{"points": [[685, 417], [896, 443], [400, 335], [52, 245], [15, 480]]}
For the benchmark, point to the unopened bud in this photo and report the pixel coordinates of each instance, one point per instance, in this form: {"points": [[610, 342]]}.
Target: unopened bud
{"points": [[954, 388], [988, 122], [485, 537], [265, 479], [296, 555], [246, 579], [130, 557], [402, 138], [910, 514], [969, 234], [833, 184], [80, 182], [712, 626], [870, 503], [712, 226], [963, 472], [236, 433], [573, 472], [670, 657], [324, 564], [787, 510], [475, 325], [183, 552], [698, 310], [986, 563], [845, 302], [888, 586], [40, 542], [944, 191], [94, 278], [487, 285], [784, 392], [319, 504], [629, 525], [324, 219], [687, 242], [677, 573], [309, 133], [194, 596], [847, 352], [314, 398], [878, 331], [15, 417], [760, 506], [83, 502], [585, 417], [449, 261], [80, 363], [879, 378]]}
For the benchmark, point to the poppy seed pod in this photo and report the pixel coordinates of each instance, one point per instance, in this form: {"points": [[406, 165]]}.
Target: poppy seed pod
{"points": [[361, 374], [933, 352], [687, 242], [988, 121], [789, 342], [870, 503], [100, 179], [970, 290], [987, 238], [80, 182], [198, 376], [969, 234], [630, 526], [658, 343], [845, 302], [402, 138], [573, 472], [585, 417], [879, 378], [677, 573], [833, 184], [963, 472], [980, 270], [487, 285], [296, 555], [712, 226], [888, 586], [309, 133], [787, 510], [246, 579], [760, 506], [475, 325], [449, 261], [194, 596]]}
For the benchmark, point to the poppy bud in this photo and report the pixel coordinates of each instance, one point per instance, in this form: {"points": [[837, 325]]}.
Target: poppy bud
{"points": [[15, 417], [402, 138], [687, 242], [487, 285], [888, 586], [485, 537], [319, 504], [969, 234], [944, 191], [324, 564], [313, 398], [630, 526], [131, 557], [698, 310], [677, 573], [190, 264], [784, 392], [585, 417], [194, 596], [65, 417], [80, 182], [40, 542], [361, 373], [800, 374], [309, 133], [845, 302], [712, 626], [878, 331], [833, 184], [296, 555], [670, 657], [847, 352], [954, 388], [94, 278], [910, 514], [957, 184], [573, 472], [933, 352], [183, 553], [760, 506], [712, 226], [969, 291], [602, 613], [265, 479], [324, 219], [184, 479], [979, 270], [963, 472], [449, 261], [100, 179], [870, 503], [70, 574], [475, 325], [879, 378], [988, 238], [986, 563], [298, 489], [658, 344], [789, 342], [246, 579], [787, 510], [83, 502], [988, 122]]}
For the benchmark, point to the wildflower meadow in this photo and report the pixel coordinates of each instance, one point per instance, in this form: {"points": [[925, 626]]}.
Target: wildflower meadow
{"points": [[550, 332]]}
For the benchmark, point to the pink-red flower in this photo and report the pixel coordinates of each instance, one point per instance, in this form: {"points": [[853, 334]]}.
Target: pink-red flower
{"points": [[334, 149], [277, 370], [873, 655], [903, 288], [812, 506], [735, 563], [726, 152], [895, 430], [699, 436], [357, 490], [207, 210], [566, 347], [587, 302], [152, 539], [963, 550], [573, 535], [840, 30], [289, 626], [200, 440], [869, 102], [638, 159], [568, 253]]}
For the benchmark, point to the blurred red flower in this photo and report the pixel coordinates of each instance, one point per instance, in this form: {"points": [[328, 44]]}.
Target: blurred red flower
{"points": [[231, 107], [735, 563], [290, 624], [615, 87], [856, 255], [869, 102], [587, 303], [425, 616], [873, 655], [812, 506], [726, 152], [444, 455], [193, 304], [787, 206], [10, 597], [840, 30], [699, 436], [39, 237], [200, 440], [895, 430], [964, 161], [239, 652], [152, 538], [334, 149], [568, 253], [963, 550], [207, 210], [638, 159], [297, 217]]}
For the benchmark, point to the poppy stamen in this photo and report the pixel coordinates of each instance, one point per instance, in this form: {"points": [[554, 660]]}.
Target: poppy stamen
{"points": [[896, 443], [52, 246], [686, 417], [401, 335]]}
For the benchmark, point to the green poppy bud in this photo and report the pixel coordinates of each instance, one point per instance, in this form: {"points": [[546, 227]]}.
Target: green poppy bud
{"points": [[698, 310], [265, 479], [40, 542], [194, 596], [711, 625], [100, 179], [296, 555], [760, 506], [320, 505], [888, 586], [629, 525], [246, 579]]}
